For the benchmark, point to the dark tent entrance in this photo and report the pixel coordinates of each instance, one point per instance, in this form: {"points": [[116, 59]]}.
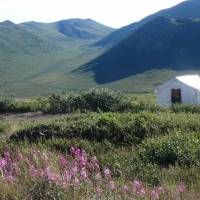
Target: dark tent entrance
{"points": [[176, 95]]}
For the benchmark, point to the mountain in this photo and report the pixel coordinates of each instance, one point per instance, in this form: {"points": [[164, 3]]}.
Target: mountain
{"points": [[186, 9], [161, 43], [33, 55]]}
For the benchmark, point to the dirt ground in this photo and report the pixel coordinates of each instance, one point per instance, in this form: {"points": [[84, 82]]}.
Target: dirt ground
{"points": [[30, 116]]}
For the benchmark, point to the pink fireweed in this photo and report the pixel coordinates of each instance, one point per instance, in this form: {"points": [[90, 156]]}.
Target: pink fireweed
{"points": [[180, 188], [32, 170], [83, 174], [107, 173], [125, 188], [142, 192], [27, 161], [98, 176], [76, 180], [67, 175], [111, 185], [7, 156], [154, 194], [3, 163], [9, 176], [50, 178], [62, 162], [20, 156], [136, 184]]}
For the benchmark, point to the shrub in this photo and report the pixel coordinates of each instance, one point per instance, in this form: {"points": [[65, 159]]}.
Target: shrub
{"points": [[58, 103], [96, 99], [169, 149], [7, 103]]}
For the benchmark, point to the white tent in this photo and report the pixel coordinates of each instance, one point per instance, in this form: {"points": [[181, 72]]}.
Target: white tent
{"points": [[181, 89]]}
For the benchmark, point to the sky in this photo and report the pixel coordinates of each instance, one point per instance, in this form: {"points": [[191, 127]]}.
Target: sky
{"points": [[113, 13]]}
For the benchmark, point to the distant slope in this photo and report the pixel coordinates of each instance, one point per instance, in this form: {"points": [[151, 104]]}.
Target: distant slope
{"points": [[72, 28], [162, 43], [187, 9], [35, 55]]}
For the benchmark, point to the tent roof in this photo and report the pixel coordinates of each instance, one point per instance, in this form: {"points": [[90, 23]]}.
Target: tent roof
{"points": [[189, 80]]}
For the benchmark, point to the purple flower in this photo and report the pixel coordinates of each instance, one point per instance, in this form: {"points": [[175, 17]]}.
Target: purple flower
{"points": [[136, 183], [98, 176], [111, 185], [76, 180], [83, 174], [20, 156], [32, 170], [154, 194], [125, 188], [3, 163], [142, 192], [67, 175], [9, 176], [7, 156], [180, 188], [107, 173]]}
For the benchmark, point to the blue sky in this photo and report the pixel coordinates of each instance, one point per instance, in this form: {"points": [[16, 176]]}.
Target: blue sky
{"points": [[113, 13]]}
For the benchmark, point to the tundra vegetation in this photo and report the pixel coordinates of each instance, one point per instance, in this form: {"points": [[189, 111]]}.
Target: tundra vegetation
{"points": [[99, 144]]}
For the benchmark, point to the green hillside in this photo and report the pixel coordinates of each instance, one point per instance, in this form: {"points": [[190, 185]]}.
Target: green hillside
{"points": [[162, 45], [36, 58]]}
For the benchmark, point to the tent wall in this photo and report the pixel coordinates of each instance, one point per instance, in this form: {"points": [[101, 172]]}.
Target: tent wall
{"points": [[188, 94]]}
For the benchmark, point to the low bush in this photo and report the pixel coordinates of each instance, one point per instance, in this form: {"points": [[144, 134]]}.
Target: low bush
{"points": [[181, 148], [7, 103]]}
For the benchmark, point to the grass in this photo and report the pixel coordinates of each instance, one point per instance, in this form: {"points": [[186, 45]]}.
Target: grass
{"points": [[144, 152]]}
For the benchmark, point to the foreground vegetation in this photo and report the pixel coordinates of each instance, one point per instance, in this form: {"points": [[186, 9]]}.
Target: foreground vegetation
{"points": [[105, 145]]}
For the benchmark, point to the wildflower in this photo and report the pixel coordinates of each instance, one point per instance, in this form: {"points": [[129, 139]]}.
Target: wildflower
{"points": [[98, 176], [180, 188], [20, 156], [98, 189], [134, 191], [97, 166], [160, 189], [7, 156], [91, 166], [67, 175], [94, 159], [125, 188], [3, 163], [83, 174], [51, 178], [83, 160], [76, 180], [14, 166], [64, 185], [32, 170], [142, 192], [32, 151], [111, 185], [9, 176], [72, 150], [27, 161], [74, 170], [136, 183], [154, 194], [62, 162], [107, 173]]}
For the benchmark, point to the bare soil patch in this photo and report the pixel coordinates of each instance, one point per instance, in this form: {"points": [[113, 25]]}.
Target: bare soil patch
{"points": [[30, 116]]}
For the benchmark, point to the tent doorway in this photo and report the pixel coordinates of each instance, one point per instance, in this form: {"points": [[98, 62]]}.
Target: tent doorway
{"points": [[176, 95]]}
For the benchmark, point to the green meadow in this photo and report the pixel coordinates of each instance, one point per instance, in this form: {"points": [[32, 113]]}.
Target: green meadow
{"points": [[98, 144]]}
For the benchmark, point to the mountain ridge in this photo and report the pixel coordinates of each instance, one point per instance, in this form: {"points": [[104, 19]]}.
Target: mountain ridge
{"points": [[187, 9]]}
